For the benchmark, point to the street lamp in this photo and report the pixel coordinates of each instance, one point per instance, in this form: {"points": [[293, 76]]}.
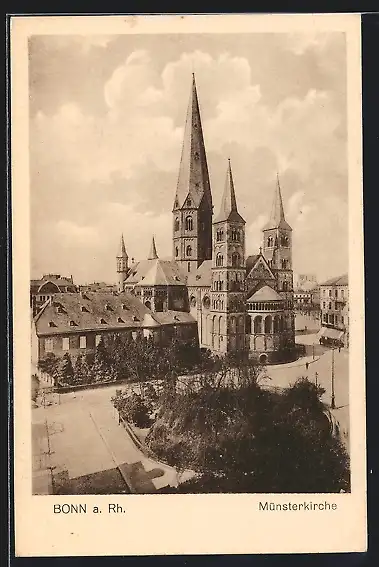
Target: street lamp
{"points": [[316, 376], [313, 351], [333, 404]]}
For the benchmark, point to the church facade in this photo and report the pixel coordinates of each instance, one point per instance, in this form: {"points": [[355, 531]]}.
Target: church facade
{"points": [[241, 302]]}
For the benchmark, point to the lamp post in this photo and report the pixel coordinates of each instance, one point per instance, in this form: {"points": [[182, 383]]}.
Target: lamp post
{"points": [[316, 376], [333, 404], [313, 351]]}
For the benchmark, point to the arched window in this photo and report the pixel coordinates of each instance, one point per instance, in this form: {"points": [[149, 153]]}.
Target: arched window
{"points": [[284, 264], [188, 251], [248, 325], [276, 324], [258, 324], [188, 266], [193, 301], [206, 302], [236, 260], [176, 225], [189, 223], [148, 304], [241, 324], [233, 325], [219, 260], [176, 252], [285, 286], [270, 241], [268, 324]]}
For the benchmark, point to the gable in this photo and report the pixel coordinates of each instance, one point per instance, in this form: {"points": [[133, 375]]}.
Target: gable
{"points": [[261, 271]]}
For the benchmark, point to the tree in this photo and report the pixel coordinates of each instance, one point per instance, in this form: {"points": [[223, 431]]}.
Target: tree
{"points": [[49, 364], [66, 370], [241, 437]]}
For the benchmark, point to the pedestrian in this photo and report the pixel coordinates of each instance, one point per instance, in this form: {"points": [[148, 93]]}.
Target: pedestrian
{"points": [[339, 348], [307, 365]]}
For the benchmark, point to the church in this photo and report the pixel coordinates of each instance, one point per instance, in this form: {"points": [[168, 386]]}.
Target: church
{"points": [[241, 302]]}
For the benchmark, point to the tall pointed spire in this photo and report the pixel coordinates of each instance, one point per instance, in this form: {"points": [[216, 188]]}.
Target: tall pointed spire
{"points": [[153, 251], [277, 218], [193, 178], [122, 250], [228, 210]]}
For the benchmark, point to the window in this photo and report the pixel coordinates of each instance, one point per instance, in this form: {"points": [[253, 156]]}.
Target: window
{"points": [[270, 241], [176, 225], [189, 251], [52, 324], [73, 324], [188, 266], [108, 308], [84, 309], [193, 301], [189, 223], [125, 308], [323, 304], [103, 321], [336, 293], [330, 304], [65, 343], [235, 260], [82, 342], [97, 339], [176, 252], [330, 293], [135, 318], [342, 293], [49, 345], [219, 235], [219, 260], [119, 320], [285, 286], [342, 319]]}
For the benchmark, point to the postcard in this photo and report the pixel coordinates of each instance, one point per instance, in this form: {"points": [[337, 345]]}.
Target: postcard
{"points": [[188, 304]]}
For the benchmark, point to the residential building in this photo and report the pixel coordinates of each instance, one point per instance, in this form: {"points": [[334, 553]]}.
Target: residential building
{"points": [[334, 306], [75, 323], [47, 287]]}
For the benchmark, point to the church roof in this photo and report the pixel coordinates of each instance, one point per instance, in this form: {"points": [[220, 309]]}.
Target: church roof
{"points": [[122, 251], [228, 210], [277, 218], [202, 277], [156, 272], [265, 293], [250, 261], [193, 178]]}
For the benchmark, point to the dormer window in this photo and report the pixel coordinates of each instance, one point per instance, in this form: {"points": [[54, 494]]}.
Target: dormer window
{"points": [[84, 309], [119, 320], [176, 318], [177, 278], [73, 324], [52, 324], [103, 321], [124, 307], [60, 309], [135, 318], [108, 307]]}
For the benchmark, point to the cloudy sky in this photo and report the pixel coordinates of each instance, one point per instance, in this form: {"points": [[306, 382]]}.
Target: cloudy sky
{"points": [[106, 125]]}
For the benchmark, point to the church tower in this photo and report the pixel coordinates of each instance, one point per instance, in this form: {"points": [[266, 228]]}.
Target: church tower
{"points": [[122, 264], [277, 245], [228, 274], [277, 249], [192, 210]]}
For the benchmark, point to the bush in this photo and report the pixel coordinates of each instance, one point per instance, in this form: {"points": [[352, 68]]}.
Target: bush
{"points": [[133, 408]]}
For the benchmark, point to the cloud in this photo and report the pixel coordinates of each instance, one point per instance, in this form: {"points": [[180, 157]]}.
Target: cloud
{"points": [[111, 165]]}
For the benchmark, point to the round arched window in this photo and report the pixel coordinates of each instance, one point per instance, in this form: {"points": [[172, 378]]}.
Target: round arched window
{"points": [[193, 301], [206, 302]]}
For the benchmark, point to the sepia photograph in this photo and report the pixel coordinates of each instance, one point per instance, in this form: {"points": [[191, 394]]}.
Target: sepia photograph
{"points": [[189, 285], [189, 256]]}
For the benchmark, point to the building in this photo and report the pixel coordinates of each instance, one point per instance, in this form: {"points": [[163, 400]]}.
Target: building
{"points": [[44, 289], [301, 298], [305, 281], [242, 303], [75, 322], [334, 305]]}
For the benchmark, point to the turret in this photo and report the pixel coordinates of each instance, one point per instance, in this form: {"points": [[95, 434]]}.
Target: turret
{"points": [[122, 264]]}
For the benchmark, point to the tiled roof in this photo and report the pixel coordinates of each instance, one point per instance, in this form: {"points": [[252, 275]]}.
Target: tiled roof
{"points": [[156, 272], [338, 280], [265, 293], [202, 277], [93, 311], [228, 210]]}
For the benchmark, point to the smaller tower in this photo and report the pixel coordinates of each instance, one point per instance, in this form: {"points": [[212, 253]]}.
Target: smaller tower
{"points": [[228, 274], [153, 255], [122, 264]]}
